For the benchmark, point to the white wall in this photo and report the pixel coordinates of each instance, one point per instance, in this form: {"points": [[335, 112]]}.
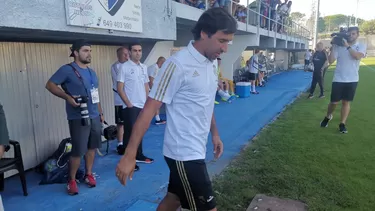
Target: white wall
{"points": [[161, 48]]}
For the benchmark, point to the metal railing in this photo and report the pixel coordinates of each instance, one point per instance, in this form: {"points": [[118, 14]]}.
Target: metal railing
{"points": [[258, 14]]}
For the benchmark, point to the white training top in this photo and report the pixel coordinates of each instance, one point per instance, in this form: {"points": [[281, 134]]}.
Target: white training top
{"points": [[254, 66], [114, 72], [134, 76], [152, 70], [187, 84], [347, 67], [308, 55]]}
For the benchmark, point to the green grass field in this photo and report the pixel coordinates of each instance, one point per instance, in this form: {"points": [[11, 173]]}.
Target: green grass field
{"points": [[295, 158]]}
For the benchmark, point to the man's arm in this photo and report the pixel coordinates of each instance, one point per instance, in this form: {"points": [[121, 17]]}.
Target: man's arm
{"points": [[213, 129], [122, 94], [326, 64], [56, 90], [147, 89], [356, 54], [332, 55], [151, 83]]}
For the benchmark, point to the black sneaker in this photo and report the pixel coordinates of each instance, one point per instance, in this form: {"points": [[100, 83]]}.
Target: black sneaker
{"points": [[322, 96], [342, 128], [120, 149], [160, 122], [136, 168], [325, 121], [144, 159]]}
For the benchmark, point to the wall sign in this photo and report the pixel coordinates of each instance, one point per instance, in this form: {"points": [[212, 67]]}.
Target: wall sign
{"points": [[120, 15]]}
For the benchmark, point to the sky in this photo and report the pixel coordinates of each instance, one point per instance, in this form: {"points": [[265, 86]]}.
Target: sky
{"points": [[331, 7]]}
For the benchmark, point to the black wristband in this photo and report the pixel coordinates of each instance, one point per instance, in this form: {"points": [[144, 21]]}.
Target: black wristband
{"points": [[349, 47]]}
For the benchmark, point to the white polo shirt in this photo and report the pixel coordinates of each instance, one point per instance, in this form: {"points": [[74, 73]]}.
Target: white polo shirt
{"points": [[152, 70], [187, 84], [347, 67], [134, 76], [114, 72], [254, 64]]}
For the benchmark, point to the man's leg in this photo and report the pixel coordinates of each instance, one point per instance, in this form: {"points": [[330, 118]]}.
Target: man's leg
{"points": [[349, 91], [313, 85], [120, 130], [80, 137], [170, 202], [320, 82], [336, 96], [133, 115], [125, 115], [94, 143]]}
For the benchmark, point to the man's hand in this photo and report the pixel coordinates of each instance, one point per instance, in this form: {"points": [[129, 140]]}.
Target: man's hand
{"points": [[125, 168], [218, 146], [101, 118], [71, 101]]}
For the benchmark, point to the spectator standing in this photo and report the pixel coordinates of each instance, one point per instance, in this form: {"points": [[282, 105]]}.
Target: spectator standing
{"points": [[152, 72], [122, 56], [78, 81], [132, 86], [320, 61]]}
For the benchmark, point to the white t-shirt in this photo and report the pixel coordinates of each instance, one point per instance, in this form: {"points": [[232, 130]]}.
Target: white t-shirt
{"points": [[347, 67], [134, 76], [308, 55], [254, 64], [187, 84], [152, 70], [114, 72]]}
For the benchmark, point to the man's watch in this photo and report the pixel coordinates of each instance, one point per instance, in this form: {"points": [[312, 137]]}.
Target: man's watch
{"points": [[349, 47]]}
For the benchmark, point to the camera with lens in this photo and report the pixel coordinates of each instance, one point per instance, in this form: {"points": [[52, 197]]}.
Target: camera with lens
{"points": [[338, 37], [85, 118]]}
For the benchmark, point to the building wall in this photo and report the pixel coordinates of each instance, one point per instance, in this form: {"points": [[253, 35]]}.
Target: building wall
{"points": [[158, 23], [35, 117]]}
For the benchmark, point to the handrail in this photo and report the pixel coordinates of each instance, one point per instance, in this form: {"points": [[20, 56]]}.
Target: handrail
{"points": [[290, 28]]}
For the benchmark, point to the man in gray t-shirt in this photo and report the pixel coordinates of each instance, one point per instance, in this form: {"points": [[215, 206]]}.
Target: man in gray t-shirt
{"points": [[346, 76]]}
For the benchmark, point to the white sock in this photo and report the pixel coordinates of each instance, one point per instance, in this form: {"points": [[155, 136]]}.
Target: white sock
{"points": [[253, 86], [119, 143], [157, 117]]}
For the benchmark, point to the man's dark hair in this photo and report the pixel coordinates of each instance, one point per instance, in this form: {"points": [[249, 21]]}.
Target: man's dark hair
{"points": [[214, 20], [353, 28], [133, 44], [77, 45]]}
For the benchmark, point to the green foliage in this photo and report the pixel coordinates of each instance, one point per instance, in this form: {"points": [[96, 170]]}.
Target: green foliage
{"points": [[368, 27]]}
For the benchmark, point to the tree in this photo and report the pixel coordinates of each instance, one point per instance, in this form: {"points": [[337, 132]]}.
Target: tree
{"points": [[368, 27], [334, 22], [297, 17]]}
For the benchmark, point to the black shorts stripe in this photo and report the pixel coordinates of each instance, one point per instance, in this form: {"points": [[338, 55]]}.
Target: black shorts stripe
{"points": [[186, 185]]}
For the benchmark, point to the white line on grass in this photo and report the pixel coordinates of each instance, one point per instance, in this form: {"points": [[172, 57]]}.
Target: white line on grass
{"points": [[368, 67]]}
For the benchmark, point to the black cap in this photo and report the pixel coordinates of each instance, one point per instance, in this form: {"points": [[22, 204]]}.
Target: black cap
{"points": [[219, 58], [78, 45]]}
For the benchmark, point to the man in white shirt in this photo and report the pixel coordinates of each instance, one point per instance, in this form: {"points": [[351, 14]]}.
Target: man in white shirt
{"points": [[253, 70], [187, 84], [308, 55], [346, 76], [132, 86], [122, 56], [152, 72]]}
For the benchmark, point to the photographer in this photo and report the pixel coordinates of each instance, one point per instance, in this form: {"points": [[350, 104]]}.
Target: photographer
{"points": [[80, 91], [348, 54]]}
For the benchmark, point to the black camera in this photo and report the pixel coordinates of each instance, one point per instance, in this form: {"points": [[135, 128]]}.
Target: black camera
{"points": [[85, 118], [338, 37]]}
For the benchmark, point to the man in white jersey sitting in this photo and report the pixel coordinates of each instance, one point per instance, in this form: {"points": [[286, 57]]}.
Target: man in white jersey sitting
{"points": [[187, 84], [346, 76], [152, 71], [122, 56]]}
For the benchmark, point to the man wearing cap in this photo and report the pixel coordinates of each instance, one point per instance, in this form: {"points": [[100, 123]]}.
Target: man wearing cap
{"points": [[77, 80]]}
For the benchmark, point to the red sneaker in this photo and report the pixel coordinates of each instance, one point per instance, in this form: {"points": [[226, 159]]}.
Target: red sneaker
{"points": [[90, 180], [72, 187]]}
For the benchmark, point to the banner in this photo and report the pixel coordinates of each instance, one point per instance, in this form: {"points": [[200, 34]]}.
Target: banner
{"points": [[120, 15]]}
